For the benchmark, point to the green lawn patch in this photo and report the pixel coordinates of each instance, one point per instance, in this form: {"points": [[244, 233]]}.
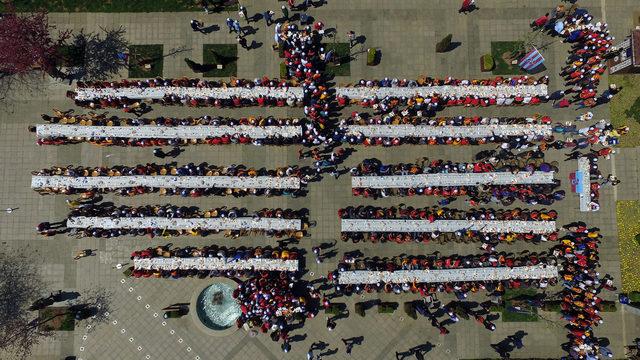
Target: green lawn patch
{"points": [[627, 215], [224, 54], [112, 5], [503, 53], [145, 61], [625, 108], [517, 298], [56, 319], [342, 57]]}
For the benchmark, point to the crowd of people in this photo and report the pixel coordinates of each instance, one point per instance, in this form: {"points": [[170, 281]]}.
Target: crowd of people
{"points": [[429, 104], [365, 119], [432, 214], [582, 285], [543, 194], [273, 301], [304, 58], [238, 137], [172, 169], [109, 210], [210, 251], [591, 46], [438, 263], [100, 101]]}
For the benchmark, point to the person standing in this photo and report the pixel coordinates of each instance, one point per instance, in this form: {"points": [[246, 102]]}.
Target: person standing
{"points": [[268, 17], [243, 13], [285, 12], [196, 25], [242, 41], [230, 25], [352, 38]]}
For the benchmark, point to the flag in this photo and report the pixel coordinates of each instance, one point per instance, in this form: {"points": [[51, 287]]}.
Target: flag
{"points": [[531, 60]]}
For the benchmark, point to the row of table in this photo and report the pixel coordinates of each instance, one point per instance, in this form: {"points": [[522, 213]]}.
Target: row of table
{"points": [[159, 92], [239, 223], [214, 263], [448, 275], [452, 179], [166, 132], [473, 131], [583, 188], [417, 226], [165, 181]]}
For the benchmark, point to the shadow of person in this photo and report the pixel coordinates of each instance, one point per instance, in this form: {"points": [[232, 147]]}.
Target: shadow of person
{"points": [[249, 30], [210, 29], [254, 45], [360, 40]]}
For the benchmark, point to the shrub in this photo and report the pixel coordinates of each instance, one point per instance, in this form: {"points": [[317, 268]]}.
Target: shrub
{"points": [[372, 54], [637, 239], [360, 309], [444, 44], [387, 307], [608, 306], [487, 63], [410, 310], [334, 309], [284, 72]]}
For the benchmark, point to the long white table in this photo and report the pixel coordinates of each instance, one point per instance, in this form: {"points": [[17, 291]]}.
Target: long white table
{"points": [[486, 226], [240, 223], [166, 181], [447, 275], [585, 185], [475, 131], [452, 179], [165, 132], [214, 263], [158, 92]]}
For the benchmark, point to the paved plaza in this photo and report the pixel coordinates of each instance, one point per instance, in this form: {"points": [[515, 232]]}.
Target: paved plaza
{"points": [[405, 31]]}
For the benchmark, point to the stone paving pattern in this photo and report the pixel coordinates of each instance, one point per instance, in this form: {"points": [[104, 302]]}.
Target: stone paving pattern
{"points": [[406, 32]]}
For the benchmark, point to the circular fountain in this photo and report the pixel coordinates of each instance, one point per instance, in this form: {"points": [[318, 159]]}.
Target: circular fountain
{"points": [[216, 309]]}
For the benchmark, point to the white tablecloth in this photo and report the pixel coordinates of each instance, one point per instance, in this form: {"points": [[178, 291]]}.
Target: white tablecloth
{"points": [[482, 91], [585, 195], [297, 92], [165, 132], [475, 131], [407, 226], [207, 263], [448, 275], [198, 93], [241, 223], [190, 182], [464, 179]]}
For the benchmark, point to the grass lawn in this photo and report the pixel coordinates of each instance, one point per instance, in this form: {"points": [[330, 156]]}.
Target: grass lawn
{"points": [[149, 53], [627, 214], [625, 108], [226, 54], [60, 319], [516, 297], [342, 56], [501, 52], [111, 5]]}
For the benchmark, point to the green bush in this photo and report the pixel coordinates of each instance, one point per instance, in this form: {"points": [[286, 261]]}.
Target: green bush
{"points": [[487, 63], [372, 54], [360, 309], [284, 73], [444, 44], [410, 310], [634, 296], [637, 239], [334, 309], [387, 307], [608, 306]]}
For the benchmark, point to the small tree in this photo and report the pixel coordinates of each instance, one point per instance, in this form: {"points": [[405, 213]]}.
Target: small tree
{"points": [[444, 44], [102, 56], [28, 48]]}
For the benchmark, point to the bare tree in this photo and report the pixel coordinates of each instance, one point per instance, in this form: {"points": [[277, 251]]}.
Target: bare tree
{"points": [[20, 285], [102, 55], [29, 50]]}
